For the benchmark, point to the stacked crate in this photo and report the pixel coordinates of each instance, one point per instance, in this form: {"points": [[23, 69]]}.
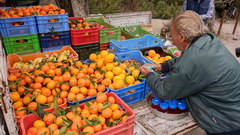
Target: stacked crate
{"points": [[20, 35], [84, 37], [53, 32]]}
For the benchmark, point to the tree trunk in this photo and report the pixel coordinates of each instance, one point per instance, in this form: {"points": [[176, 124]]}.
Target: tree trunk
{"points": [[80, 8]]}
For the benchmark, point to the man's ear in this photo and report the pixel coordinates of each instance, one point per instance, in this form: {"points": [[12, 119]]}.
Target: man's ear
{"points": [[182, 37]]}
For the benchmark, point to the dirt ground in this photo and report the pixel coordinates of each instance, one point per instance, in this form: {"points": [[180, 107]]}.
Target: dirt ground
{"points": [[229, 40]]}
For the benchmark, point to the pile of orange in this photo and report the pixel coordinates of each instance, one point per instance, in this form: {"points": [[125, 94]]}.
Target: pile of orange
{"points": [[78, 24], [116, 75], [92, 117], [50, 9], [67, 79], [156, 58]]}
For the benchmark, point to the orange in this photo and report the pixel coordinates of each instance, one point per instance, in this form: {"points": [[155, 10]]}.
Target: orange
{"points": [[51, 84], [32, 131], [75, 90], [111, 100], [106, 82], [135, 73], [124, 118], [109, 58], [46, 92], [97, 128], [39, 124], [88, 129], [93, 109], [75, 71], [20, 111], [92, 92], [117, 114], [123, 66], [90, 117], [22, 82], [79, 96], [56, 132], [81, 82], [37, 86], [114, 107], [60, 101], [85, 113], [50, 99], [107, 113], [71, 96], [26, 100], [63, 94], [17, 104], [93, 65], [21, 90], [118, 84], [103, 53], [58, 71], [12, 77], [117, 70], [43, 130], [59, 120], [109, 66], [102, 119], [109, 75], [151, 53], [49, 118], [92, 56], [45, 68], [66, 76], [55, 91], [76, 125], [53, 127], [101, 88], [46, 80], [101, 98], [80, 75], [90, 70], [130, 79], [76, 119], [73, 81], [65, 87], [32, 106], [15, 96], [70, 115], [39, 79], [78, 64], [41, 99], [84, 90]]}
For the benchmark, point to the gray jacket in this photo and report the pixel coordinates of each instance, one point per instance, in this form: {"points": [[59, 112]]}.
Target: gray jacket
{"points": [[208, 76]]}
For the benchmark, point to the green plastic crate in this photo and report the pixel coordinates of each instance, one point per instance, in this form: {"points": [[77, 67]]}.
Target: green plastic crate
{"points": [[105, 35], [27, 2], [127, 35], [84, 51], [31, 45], [137, 31]]}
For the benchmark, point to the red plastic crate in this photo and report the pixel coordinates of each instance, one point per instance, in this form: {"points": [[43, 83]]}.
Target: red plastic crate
{"points": [[125, 128], [103, 46], [84, 36]]}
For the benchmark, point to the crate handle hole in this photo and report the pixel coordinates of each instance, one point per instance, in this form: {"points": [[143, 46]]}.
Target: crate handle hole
{"points": [[110, 33], [17, 23], [22, 41], [129, 92], [55, 36], [53, 20]]}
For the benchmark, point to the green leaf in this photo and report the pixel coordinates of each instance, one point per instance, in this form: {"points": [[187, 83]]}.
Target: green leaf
{"points": [[105, 105], [87, 121], [33, 97], [55, 103], [33, 112], [70, 133], [40, 110], [51, 132], [63, 130], [87, 104], [83, 133]]}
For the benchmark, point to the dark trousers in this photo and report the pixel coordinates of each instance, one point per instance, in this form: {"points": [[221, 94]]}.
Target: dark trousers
{"points": [[236, 132]]}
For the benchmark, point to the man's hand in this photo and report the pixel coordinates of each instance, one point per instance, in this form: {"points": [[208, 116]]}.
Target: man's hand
{"points": [[145, 70]]}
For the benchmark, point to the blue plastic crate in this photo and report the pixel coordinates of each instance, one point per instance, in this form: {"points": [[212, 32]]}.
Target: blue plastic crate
{"points": [[26, 26], [44, 26], [86, 99], [136, 55], [135, 44], [134, 97], [53, 48], [47, 40]]}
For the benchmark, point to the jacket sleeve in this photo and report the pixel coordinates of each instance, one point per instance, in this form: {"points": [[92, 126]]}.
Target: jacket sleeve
{"points": [[167, 66], [177, 84]]}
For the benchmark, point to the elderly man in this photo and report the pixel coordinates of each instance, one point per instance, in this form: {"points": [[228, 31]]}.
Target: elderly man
{"points": [[206, 74]]}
